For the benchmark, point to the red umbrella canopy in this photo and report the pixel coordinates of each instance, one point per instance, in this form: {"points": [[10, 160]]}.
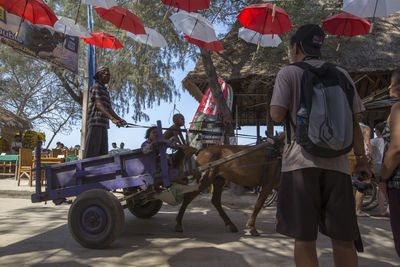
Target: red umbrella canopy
{"points": [[188, 5], [103, 40], [122, 18], [35, 11], [265, 19], [346, 24], [214, 46]]}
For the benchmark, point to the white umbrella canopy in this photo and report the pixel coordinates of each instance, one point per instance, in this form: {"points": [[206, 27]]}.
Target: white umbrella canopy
{"points": [[195, 26], [371, 8], [101, 3], [152, 38], [68, 26], [264, 40]]}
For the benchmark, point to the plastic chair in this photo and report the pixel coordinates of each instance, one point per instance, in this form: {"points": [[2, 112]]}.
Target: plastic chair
{"points": [[25, 165]]}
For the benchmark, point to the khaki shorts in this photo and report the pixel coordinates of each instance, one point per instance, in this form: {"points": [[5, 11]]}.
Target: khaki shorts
{"points": [[315, 199]]}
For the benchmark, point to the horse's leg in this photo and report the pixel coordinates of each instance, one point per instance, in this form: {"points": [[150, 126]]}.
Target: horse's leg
{"points": [[265, 191], [216, 200], [188, 197]]}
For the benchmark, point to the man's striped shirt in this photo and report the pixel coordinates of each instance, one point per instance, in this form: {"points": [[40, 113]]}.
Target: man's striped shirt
{"points": [[95, 116]]}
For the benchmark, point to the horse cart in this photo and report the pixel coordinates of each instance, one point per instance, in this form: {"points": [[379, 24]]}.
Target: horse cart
{"points": [[96, 216]]}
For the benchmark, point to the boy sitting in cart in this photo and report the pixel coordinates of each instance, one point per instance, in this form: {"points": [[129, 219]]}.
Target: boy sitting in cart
{"points": [[174, 133]]}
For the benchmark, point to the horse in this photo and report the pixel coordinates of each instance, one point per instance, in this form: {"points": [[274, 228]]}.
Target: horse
{"points": [[258, 168]]}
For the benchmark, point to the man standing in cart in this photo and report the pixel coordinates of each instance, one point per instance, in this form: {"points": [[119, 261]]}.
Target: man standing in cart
{"points": [[99, 112]]}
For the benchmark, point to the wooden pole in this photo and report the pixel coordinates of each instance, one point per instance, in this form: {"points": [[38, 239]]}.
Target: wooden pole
{"points": [[216, 91], [258, 127]]}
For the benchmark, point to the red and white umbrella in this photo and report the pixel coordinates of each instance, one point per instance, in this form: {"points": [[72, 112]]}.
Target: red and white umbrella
{"points": [[34, 11], [103, 40], [152, 38], [195, 26], [188, 5], [68, 26], [101, 3], [122, 18], [264, 40], [213, 46], [371, 8], [346, 24], [265, 19]]}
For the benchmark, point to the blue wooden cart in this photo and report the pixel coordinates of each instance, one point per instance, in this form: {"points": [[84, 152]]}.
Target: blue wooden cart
{"points": [[96, 215]]}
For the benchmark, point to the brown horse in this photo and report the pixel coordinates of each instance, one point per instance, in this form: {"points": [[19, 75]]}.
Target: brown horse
{"points": [[253, 169]]}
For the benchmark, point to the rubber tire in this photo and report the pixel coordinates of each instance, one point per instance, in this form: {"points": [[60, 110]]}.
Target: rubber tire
{"points": [[114, 222], [145, 211]]}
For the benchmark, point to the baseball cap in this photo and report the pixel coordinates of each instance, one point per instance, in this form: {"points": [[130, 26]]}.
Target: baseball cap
{"points": [[310, 37]]}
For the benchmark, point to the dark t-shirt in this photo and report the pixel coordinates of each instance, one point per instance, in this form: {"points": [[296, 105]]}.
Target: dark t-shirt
{"points": [[95, 116]]}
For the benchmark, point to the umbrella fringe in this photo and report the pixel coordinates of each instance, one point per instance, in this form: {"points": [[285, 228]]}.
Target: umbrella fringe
{"points": [[273, 12], [22, 19]]}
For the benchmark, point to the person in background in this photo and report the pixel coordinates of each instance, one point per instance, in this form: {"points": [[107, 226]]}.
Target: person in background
{"points": [[114, 148], [99, 114], [63, 147], [359, 194], [16, 145], [122, 146], [391, 163], [378, 147], [59, 145]]}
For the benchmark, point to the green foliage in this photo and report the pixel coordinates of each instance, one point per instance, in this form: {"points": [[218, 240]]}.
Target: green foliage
{"points": [[31, 90]]}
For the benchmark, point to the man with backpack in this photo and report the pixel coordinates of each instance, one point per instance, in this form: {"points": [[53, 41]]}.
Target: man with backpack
{"points": [[320, 104]]}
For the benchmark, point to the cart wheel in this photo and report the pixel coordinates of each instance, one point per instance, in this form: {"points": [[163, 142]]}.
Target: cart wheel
{"points": [[144, 211], [96, 218]]}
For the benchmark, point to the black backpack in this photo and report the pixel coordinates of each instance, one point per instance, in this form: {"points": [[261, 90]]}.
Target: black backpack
{"points": [[324, 121]]}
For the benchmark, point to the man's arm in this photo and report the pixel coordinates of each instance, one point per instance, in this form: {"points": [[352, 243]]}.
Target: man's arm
{"points": [[110, 113], [278, 113], [392, 157], [362, 167], [281, 95]]}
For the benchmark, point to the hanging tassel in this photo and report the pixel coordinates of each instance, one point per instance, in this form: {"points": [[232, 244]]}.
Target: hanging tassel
{"points": [[77, 13], [338, 46], [273, 12], [371, 28], [258, 48], [19, 27]]}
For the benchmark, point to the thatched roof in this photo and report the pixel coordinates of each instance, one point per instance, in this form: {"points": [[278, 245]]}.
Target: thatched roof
{"points": [[369, 59], [11, 121]]}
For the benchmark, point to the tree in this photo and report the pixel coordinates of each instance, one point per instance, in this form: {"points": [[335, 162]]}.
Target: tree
{"points": [[30, 89]]}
